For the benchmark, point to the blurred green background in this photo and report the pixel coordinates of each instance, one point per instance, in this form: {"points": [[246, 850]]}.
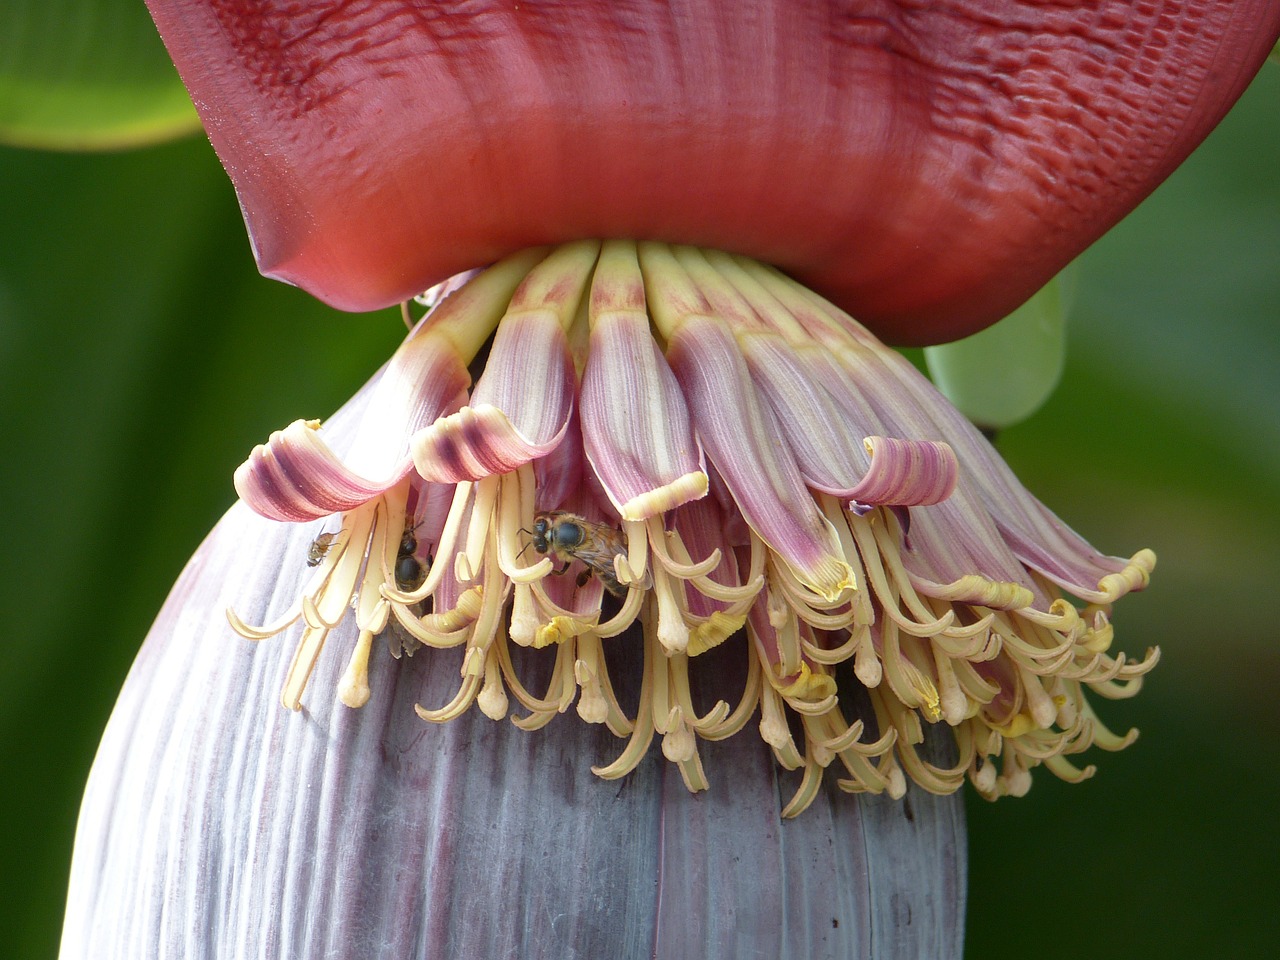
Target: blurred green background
{"points": [[141, 356]]}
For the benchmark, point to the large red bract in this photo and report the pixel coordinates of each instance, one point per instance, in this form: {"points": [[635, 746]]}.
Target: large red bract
{"points": [[928, 165]]}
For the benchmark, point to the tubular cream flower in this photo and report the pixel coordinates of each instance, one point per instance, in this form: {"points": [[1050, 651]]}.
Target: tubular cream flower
{"points": [[681, 449]]}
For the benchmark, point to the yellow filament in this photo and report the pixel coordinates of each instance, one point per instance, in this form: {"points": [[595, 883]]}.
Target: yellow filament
{"points": [[511, 518], [523, 626], [634, 570], [548, 704], [806, 793], [631, 608], [492, 699], [444, 549], [774, 730], [743, 712], [591, 651], [421, 631], [467, 564], [642, 730], [304, 661], [279, 625], [833, 655], [891, 583], [661, 541], [678, 671]]}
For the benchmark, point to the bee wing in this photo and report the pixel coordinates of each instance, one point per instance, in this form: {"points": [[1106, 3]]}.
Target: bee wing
{"points": [[601, 544]]}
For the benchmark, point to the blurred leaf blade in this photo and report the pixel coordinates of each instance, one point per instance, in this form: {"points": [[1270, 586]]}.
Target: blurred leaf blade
{"points": [[1000, 376], [87, 75]]}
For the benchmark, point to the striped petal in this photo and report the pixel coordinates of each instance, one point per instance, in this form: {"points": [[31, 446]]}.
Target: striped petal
{"points": [[636, 429], [906, 473], [298, 476], [562, 471], [954, 539], [482, 439], [520, 408], [833, 454], [735, 430], [1022, 527], [826, 445], [1037, 537], [1033, 532]]}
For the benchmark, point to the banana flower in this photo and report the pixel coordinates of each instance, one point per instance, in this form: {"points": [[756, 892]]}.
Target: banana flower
{"points": [[636, 477]]}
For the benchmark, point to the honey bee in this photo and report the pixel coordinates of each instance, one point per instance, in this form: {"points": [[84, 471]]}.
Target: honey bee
{"points": [[319, 547], [409, 573], [570, 537], [408, 570]]}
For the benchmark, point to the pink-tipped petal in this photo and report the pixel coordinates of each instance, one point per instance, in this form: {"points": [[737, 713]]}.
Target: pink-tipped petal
{"points": [[518, 412], [735, 427], [635, 424], [1033, 532], [952, 532], [761, 475], [825, 421], [826, 443], [907, 473], [521, 406], [297, 476], [473, 443], [1007, 526], [829, 437]]}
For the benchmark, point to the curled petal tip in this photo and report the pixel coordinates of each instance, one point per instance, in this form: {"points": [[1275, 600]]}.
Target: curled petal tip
{"points": [[295, 476], [474, 443], [1136, 575], [907, 473]]}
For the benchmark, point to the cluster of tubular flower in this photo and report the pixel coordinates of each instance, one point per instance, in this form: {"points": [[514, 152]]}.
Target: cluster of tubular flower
{"points": [[746, 468]]}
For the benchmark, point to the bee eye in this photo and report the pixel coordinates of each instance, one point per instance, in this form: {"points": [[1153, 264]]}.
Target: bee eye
{"points": [[540, 526]]}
